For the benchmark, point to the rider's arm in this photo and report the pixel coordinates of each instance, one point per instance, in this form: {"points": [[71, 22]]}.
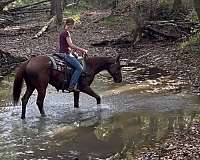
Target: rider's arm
{"points": [[73, 46]]}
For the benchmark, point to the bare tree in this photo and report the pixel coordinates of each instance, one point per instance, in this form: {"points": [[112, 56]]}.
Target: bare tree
{"points": [[56, 10], [177, 5], [197, 7]]}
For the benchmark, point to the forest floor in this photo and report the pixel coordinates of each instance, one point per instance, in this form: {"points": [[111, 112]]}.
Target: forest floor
{"points": [[164, 55], [178, 145]]}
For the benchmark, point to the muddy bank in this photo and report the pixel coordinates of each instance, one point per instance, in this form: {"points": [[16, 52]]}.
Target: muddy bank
{"points": [[179, 145]]}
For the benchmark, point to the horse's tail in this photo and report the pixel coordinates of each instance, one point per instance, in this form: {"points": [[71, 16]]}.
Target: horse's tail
{"points": [[18, 82]]}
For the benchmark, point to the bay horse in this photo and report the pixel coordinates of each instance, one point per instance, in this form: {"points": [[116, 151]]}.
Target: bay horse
{"points": [[37, 74]]}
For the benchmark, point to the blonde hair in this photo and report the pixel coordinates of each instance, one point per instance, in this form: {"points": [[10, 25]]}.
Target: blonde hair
{"points": [[69, 21]]}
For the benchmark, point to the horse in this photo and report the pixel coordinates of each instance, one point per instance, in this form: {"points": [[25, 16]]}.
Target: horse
{"points": [[37, 72]]}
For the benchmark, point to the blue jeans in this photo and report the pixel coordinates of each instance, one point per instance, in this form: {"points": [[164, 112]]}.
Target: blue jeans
{"points": [[69, 58]]}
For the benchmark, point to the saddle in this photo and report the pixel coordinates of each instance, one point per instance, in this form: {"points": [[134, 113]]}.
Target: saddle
{"points": [[58, 63]]}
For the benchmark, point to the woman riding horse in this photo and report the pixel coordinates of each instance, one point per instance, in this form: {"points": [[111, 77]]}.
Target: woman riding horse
{"points": [[66, 45], [38, 74]]}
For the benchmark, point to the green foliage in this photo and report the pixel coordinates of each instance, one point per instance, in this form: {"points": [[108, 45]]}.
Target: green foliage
{"points": [[192, 16], [163, 10], [101, 4], [192, 44], [76, 11], [113, 20]]}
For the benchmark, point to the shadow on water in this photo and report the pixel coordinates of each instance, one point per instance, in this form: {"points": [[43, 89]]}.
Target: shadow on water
{"points": [[131, 115]]}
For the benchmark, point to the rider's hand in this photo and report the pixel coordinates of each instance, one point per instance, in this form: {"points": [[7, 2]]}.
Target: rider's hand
{"points": [[84, 52]]}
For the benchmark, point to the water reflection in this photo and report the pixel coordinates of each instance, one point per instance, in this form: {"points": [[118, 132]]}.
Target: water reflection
{"points": [[139, 129]]}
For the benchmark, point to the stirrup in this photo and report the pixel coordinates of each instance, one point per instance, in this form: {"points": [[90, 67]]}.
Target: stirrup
{"points": [[73, 89]]}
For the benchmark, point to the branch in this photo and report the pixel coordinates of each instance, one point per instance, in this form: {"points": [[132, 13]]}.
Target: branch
{"points": [[27, 6], [45, 9], [169, 29], [72, 4], [45, 27], [152, 32], [17, 30]]}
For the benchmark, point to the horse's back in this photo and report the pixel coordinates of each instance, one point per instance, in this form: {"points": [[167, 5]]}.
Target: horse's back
{"points": [[38, 66], [38, 63]]}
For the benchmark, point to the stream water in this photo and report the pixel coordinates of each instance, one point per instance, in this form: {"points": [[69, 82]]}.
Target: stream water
{"points": [[131, 115]]}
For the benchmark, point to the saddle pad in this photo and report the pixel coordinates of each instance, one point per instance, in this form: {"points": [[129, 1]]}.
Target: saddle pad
{"points": [[59, 64]]}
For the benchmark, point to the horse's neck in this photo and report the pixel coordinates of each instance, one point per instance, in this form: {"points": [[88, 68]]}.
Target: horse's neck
{"points": [[98, 64]]}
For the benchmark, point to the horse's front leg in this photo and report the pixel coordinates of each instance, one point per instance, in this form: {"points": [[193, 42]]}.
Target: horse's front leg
{"points": [[90, 92], [76, 99]]}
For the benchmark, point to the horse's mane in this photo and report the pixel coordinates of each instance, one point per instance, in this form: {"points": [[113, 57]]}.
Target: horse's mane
{"points": [[104, 59]]}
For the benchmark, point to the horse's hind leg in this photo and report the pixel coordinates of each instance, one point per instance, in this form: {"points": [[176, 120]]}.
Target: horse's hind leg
{"points": [[40, 100], [25, 99]]}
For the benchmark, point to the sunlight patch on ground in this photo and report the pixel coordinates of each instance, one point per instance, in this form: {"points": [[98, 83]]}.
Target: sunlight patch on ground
{"points": [[160, 85]]}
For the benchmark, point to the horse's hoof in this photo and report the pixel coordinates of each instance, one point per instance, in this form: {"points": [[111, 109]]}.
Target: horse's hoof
{"points": [[43, 115], [99, 101], [76, 106], [22, 117]]}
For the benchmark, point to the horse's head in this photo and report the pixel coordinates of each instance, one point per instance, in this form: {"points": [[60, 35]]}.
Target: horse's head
{"points": [[115, 70]]}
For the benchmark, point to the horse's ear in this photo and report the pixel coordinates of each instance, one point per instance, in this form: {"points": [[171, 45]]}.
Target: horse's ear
{"points": [[118, 58]]}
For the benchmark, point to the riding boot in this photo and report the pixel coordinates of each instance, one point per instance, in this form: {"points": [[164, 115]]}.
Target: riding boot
{"points": [[73, 89]]}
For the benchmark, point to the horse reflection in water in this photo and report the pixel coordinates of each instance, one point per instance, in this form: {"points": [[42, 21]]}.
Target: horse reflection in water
{"points": [[37, 74]]}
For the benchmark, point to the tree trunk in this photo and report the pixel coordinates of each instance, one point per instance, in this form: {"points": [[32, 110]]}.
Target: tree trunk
{"points": [[177, 5], [56, 10], [197, 7]]}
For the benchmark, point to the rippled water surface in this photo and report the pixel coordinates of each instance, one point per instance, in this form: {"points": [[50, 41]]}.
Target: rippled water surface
{"points": [[130, 115]]}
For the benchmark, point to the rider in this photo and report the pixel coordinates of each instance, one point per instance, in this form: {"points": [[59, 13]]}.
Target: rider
{"points": [[66, 45]]}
